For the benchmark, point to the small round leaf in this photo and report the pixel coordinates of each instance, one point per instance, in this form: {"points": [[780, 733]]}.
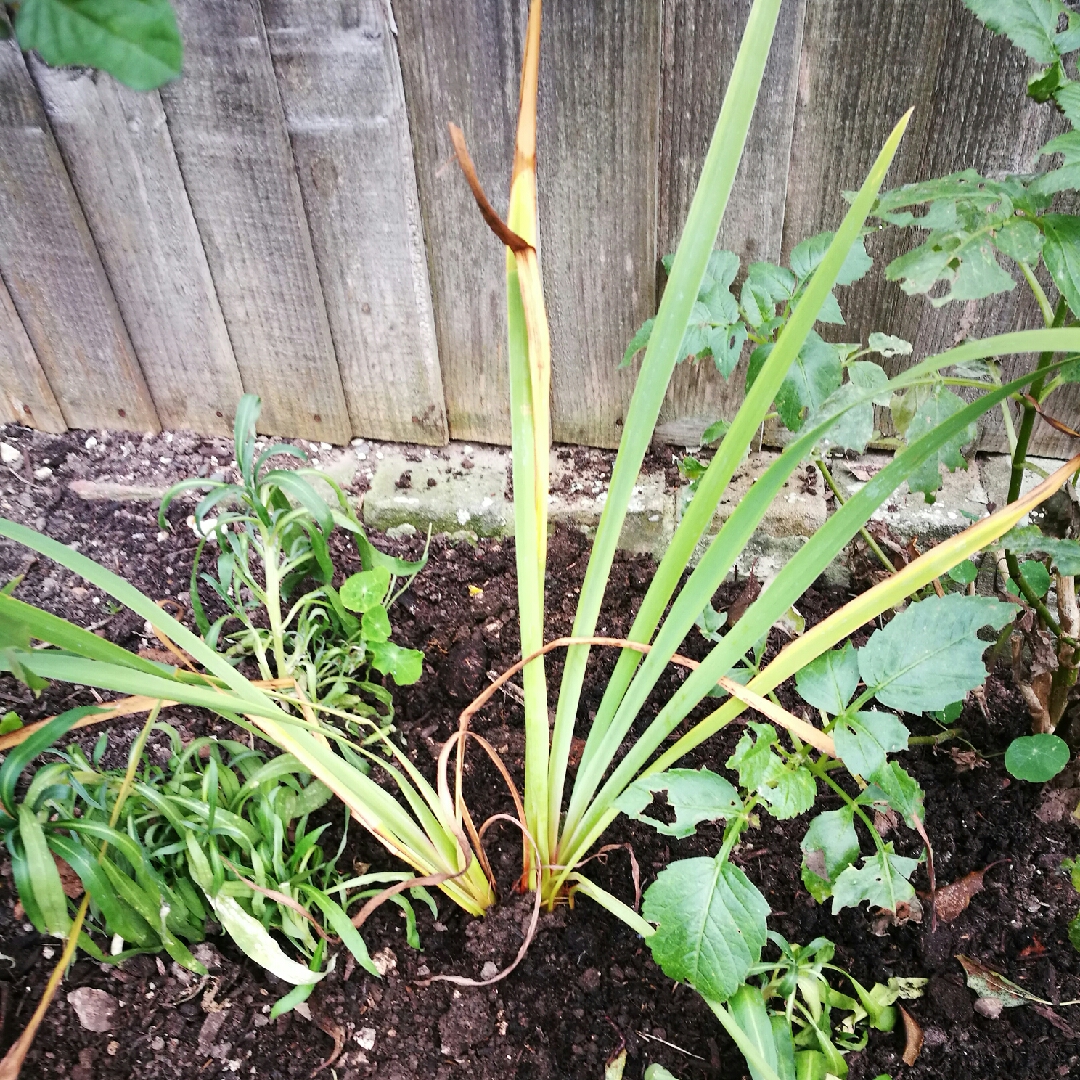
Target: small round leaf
{"points": [[1037, 758], [1036, 576]]}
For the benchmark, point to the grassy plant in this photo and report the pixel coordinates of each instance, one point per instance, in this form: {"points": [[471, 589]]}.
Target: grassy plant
{"points": [[220, 831], [430, 827], [274, 576]]}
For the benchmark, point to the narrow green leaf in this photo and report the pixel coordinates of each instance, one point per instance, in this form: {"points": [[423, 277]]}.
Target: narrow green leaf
{"points": [[748, 1008], [48, 891]]}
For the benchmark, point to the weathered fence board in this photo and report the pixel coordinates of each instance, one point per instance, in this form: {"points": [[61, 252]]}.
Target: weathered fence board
{"points": [[120, 158], [53, 273], [701, 40], [460, 61], [228, 128], [596, 162], [344, 105], [27, 397], [991, 126]]}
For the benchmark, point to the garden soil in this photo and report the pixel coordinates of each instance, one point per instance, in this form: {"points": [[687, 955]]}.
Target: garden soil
{"points": [[587, 986]]}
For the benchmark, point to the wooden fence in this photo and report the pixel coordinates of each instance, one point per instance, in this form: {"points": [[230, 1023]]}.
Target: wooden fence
{"points": [[284, 219]]}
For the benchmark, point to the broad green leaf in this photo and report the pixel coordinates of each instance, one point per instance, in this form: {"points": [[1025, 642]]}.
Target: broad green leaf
{"points": [[710, 925], [405, 666], [1067, 98], [788, 791], [715, 431], [1042, 87], [1067, 144], [1030, 25], [829, 847], [1020, 240], [1036, 576], [1064, 554], [658, 1072], [1037, 758], [362, 592], [964, 573], [829, 682], [930, 655], [882, 881], [934, 409], [695, 795], [814, 375], [1061, 253], [892, 785], [807, 255], [765, 286], [887, 345], [135, 41], [867, 375], [375, 625], [863, 740], [637, 342]]}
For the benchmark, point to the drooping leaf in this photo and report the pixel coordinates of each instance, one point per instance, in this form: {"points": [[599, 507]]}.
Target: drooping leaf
{"points": [[812, 377], [899, 790], [930, 655], [863, 740], [934, 409], [695, 795], [1027, 539], [637, 342], [710, 925], [888, 346], [829, 682], [829, 847], [988, 983], [1061, 253], [788, 790], [135, 41], [1037, 758], [882, 881]]}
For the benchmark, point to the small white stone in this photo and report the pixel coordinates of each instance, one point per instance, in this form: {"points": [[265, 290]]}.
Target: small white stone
{"points": [[161, 536], [378, 454], [385, 962], [43, 473], [366, 1038], [9, 455], [489, 970], [48, 952], [94, 1008], [90, 443], [165, 460], [326, 446], [463, 516], [357, 442], [361, 455]]}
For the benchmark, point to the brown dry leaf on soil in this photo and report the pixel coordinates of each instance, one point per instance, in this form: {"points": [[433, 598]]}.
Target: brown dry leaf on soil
{"points": [[69, 880], [952, 899], [966, 760], [913, 1035]]}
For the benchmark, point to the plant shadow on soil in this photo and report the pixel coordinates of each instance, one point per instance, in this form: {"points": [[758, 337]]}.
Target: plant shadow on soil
{"points": [[588, 984]]}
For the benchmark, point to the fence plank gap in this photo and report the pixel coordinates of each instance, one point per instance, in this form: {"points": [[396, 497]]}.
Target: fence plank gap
{"points": [[54, 274], [344, 105], [27, 397], [227, 125], [120, 158], [701, 41]]}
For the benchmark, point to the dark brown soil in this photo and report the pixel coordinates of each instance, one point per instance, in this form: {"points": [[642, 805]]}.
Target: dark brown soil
{"points": [[588, 984]]}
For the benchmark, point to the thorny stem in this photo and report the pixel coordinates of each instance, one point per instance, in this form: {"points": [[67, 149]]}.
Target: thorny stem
{"points": [[871, 543]]}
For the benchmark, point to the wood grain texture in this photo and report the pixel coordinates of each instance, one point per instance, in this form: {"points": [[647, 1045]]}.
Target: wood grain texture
{"points": [[989, 124], [700, 42], [460, 61], [120, 158], [53, 273], [596, 160], [25, 394], [228, 129], [344, 105]]}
